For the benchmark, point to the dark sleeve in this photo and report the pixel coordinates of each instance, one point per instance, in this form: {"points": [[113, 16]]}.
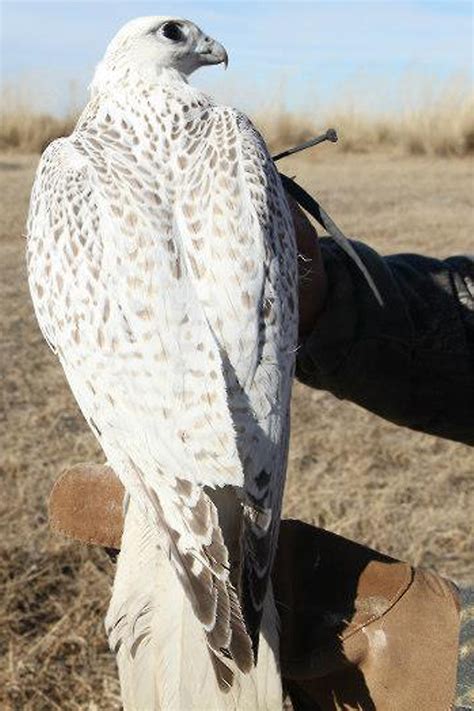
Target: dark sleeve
{"points": [[412, 361]]}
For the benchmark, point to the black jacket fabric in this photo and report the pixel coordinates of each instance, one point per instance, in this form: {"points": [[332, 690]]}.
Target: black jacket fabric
{"points": [[410, 361]]}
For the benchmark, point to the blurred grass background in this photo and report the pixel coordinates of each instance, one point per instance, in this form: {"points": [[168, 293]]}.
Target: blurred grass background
{"points": [[425, 121]]}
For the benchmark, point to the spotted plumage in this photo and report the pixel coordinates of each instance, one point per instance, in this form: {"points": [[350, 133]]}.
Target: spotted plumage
{"points": [[162, 268]]}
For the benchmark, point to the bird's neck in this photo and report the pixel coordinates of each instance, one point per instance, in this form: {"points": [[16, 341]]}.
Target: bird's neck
{"points": [[138, 94], [126, 79]]}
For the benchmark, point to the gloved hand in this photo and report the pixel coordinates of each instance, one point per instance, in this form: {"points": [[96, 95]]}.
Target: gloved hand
{"points": [[359, 630]]}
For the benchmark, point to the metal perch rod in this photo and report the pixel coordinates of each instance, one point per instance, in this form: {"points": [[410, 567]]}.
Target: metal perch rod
{"points": [[330, 135]]}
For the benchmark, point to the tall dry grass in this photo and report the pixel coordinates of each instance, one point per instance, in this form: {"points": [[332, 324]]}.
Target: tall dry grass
{"points": [[431, 122], [25, 130]]}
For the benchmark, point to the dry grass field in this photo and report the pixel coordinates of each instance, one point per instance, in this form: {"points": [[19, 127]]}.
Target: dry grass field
{"points": [[441, 123], [408, 494]]}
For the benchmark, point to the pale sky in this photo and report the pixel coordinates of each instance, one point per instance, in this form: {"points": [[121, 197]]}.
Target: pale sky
{"points": [[305, 51]]}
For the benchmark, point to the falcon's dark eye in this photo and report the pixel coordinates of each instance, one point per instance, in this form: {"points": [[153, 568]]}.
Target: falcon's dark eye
{"points": [[172, 31]]}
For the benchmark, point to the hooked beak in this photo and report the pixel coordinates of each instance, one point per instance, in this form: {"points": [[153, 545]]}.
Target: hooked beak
{"points": [[212, 52]]}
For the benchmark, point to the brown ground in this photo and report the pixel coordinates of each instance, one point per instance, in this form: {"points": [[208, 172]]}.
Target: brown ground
{"points": [[408, 494]]}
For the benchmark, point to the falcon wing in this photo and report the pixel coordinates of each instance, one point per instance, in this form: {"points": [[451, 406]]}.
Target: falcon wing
{"points": [[112, 294], [110, 290], [238, 240]]}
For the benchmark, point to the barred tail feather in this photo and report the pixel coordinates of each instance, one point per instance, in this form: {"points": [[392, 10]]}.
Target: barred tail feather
{"points": [[160, 644]]}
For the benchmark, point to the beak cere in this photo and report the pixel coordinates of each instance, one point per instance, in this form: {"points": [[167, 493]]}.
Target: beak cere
{"points": [[212, 52]]}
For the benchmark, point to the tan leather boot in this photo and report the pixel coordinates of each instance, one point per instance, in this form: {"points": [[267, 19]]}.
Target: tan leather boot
{"points": [[360, 630]]}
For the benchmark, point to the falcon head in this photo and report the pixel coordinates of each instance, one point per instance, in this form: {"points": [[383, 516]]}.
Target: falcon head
{"points": [[148, 44]]}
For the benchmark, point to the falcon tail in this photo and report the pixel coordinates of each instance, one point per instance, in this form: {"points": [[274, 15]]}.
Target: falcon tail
{"points": [[163, 659]]}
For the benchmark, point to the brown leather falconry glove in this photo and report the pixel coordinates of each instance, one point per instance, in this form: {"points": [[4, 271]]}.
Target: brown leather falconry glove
{"points": [[360, 630]]}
